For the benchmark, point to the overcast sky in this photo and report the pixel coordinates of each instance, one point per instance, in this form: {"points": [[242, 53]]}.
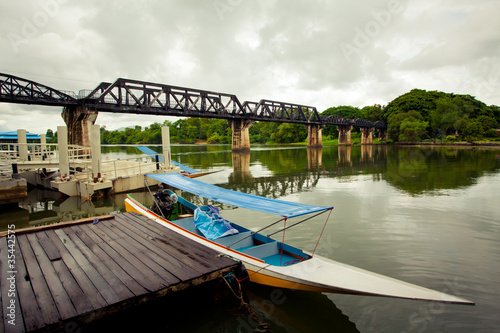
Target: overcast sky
{"points": [[320, 53]]}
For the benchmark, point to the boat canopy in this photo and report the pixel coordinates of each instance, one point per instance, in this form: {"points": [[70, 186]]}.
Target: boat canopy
{"points": [[238, 199]]}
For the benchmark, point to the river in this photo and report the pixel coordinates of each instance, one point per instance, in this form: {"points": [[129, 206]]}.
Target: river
{"points": [[429, 216]]}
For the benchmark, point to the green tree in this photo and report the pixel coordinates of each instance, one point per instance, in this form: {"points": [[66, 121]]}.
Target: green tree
{"points": [[373, 113], [413, 122], [472, 130], [444, 116], [412, 130]]}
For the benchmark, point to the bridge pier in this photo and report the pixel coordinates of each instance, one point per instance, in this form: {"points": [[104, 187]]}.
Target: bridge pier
{"points": [[241, 135], [367, 135], [78, 120], [344, 134], [314, 136]]}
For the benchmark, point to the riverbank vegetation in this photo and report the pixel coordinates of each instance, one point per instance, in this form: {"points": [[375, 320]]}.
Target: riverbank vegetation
{"points": [[417, 116]]}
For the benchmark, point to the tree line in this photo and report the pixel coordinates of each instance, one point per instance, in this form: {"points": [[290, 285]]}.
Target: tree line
{"points": [[418, 115]]}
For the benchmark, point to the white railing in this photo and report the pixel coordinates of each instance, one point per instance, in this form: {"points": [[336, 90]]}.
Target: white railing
{"points": [[79, 160]]}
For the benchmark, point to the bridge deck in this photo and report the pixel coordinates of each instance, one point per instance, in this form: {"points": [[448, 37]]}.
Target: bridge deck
{"points": [[81, 271]]}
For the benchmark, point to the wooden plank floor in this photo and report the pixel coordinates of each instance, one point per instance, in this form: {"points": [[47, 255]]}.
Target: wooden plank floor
{"points": [[81, 271]]}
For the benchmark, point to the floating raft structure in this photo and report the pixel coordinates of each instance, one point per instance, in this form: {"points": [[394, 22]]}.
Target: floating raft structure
{"points": [[87, 269]]}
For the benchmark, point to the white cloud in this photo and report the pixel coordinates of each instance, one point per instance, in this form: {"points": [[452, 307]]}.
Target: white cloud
{"points": [[294, 51]]}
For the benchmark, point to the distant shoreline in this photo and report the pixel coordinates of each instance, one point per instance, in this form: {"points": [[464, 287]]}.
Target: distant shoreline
{"points": [[451, 144]]}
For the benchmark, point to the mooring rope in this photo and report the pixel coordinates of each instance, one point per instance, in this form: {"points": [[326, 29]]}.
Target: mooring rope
{"points": [[244, 305]]}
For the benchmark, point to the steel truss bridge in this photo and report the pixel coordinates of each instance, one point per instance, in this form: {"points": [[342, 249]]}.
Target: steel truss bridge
{"points": [[139, 97]]}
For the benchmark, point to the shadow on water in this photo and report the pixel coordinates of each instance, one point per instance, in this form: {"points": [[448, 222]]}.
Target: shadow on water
{"points": [[197, 310], [295, 311]]}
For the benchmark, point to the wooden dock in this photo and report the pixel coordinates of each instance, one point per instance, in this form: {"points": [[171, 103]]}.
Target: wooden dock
{"points": [[75, 272]]}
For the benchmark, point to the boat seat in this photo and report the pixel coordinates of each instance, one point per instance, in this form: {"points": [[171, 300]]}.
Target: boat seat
{"points": [[263, 250], [228, 240], [187, 223]]}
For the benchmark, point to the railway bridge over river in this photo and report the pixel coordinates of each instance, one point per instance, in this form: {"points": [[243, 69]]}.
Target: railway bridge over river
{"points": [[147, 98]]}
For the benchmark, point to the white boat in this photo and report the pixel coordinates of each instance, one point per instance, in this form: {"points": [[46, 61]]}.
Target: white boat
{"points": [[274, 263]]}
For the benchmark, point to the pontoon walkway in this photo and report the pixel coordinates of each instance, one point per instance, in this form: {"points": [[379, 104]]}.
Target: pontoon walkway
{"points": [[81, 270]]}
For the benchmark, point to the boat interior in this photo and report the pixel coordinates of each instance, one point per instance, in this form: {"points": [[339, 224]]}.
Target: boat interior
{"points": [[245, 241]]}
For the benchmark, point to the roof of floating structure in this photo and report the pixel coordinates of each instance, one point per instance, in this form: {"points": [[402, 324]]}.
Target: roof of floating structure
{"points": [[238, 199], [12, 135]]}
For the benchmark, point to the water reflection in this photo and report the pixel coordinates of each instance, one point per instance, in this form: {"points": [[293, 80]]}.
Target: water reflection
{"points": [[281, 171], [314, 158], [43, 207], [241, 169], [292, 311]]}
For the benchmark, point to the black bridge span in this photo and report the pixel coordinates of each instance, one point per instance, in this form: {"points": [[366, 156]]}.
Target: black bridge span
{"points": [[139, 97]]}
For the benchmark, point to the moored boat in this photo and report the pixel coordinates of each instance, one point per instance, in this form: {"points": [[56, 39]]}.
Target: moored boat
{"points": [[271, 262]]}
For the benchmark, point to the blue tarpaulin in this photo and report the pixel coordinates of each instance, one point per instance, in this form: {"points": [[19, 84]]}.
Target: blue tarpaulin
{"points": [[238, 199], [211, 224]]}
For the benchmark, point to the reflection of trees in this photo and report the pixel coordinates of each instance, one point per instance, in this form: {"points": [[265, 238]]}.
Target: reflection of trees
{"points": [[420, 170], [412, 170], [202, 157], [279, 185], [346, 161]]}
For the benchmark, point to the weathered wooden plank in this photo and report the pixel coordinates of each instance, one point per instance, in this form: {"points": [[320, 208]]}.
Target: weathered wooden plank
{"points": [[49, 248], [143, 254], [49, 311], [163, 238], [12, 319], [57, 225], [108, 294], [92, 295], [104, 263], [140, 272], [61, 299], [197, 254], [32, 315], [161, 252]]}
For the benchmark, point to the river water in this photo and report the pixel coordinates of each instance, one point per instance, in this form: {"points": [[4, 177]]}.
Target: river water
{"points": [[428, 216]]}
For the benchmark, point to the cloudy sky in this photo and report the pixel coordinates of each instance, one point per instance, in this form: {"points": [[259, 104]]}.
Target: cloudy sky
{"points": [[318, 52]]}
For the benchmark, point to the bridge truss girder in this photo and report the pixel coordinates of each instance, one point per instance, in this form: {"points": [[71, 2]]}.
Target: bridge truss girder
{"points": [[158, 99], [14, 89], [139, 97]]}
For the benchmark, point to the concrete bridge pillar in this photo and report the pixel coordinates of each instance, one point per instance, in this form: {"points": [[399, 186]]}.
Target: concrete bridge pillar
{"points": [[241, 136], [344, 134], [367, 135], [382, 134], [78, 120], [314, 136]]}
